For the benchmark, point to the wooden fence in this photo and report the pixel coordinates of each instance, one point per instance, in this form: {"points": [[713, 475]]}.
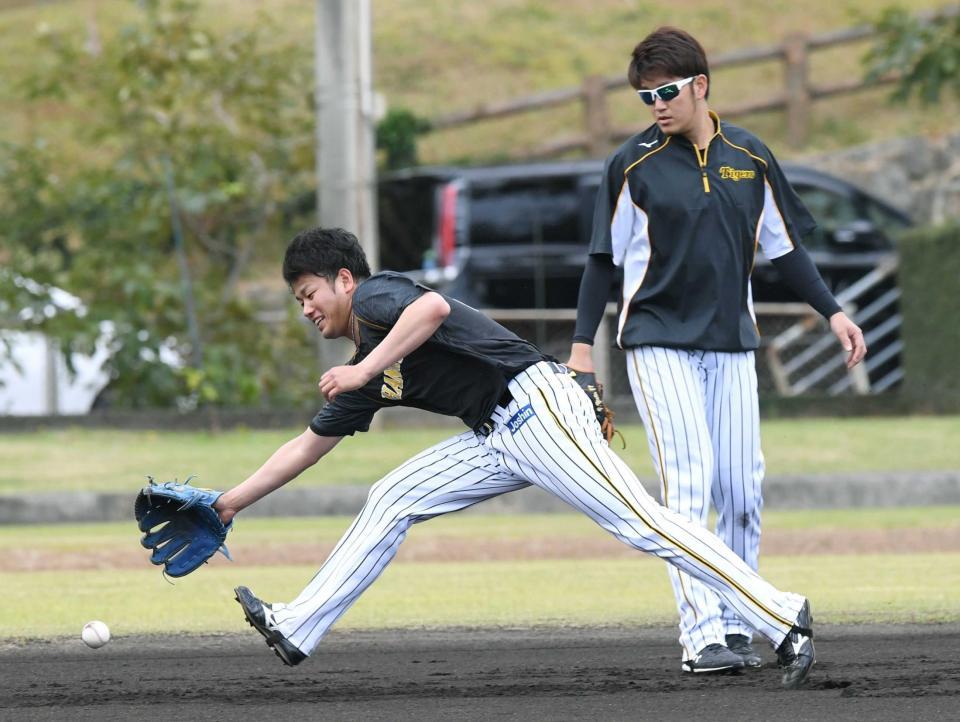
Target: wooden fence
{"points": [[599, 135]]}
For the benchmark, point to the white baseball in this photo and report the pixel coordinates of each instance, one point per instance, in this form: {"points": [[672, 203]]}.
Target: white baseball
{"points": [[95, 634]]}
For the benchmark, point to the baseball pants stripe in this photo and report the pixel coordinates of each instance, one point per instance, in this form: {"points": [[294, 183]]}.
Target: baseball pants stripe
{"points": [[547, 435], [734, 414], [450, 476], [700, 412], [577, 460]]}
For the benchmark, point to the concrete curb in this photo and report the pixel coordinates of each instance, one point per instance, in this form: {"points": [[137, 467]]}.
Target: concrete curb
{"points": [[927, 488]]}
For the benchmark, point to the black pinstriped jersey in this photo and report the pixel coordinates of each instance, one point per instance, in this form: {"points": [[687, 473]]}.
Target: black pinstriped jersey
{"points": [[462, 370], [685, 224]]}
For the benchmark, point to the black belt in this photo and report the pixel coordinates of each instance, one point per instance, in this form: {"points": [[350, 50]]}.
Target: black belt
{"points": [[506, 397]]}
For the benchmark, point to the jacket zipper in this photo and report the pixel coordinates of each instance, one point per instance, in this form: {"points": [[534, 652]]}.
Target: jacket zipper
{"points": [[702, 162]]}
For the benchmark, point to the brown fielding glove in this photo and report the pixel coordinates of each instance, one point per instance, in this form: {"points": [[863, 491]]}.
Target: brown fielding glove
{"points": [[594, 390]]}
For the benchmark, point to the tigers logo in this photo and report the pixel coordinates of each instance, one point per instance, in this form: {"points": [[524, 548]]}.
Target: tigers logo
{"points": [[735, 174], [392, 388]]}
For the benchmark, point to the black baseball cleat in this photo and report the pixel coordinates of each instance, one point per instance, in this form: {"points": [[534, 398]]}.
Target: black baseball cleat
{"points": [[256, 614], [713, 659], [740, 645], [796, 655]]}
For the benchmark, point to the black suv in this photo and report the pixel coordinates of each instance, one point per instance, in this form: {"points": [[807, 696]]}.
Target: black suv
{"points": [[515, 236]]}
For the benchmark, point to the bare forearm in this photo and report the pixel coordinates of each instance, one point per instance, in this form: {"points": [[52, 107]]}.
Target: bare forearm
{"points": [[416, 324], [286, 463]]}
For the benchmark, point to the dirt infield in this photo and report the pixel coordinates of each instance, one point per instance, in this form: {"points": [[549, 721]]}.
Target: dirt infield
{"points": [[876, 673]]}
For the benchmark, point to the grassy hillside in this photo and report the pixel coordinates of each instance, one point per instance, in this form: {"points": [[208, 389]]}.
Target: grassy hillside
{"points": [[436, 56]]}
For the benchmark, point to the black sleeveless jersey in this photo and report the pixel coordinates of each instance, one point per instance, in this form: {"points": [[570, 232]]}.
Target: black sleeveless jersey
{"points": [[462, 370]]}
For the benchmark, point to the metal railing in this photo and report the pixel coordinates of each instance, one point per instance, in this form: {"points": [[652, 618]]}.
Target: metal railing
{"points": [[806, 357], [801, 356]]}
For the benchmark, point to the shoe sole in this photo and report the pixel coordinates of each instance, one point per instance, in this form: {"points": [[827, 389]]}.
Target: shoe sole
{"points": [[733, 669], [267, 634]]}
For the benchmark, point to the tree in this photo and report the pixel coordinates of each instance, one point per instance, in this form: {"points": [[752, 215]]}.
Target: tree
{"points": [[221, 117], [924, 52], [397, 137]]}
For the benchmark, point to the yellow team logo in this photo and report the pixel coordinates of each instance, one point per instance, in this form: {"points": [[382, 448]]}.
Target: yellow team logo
{"points": [[735, 174], [392, 388]]}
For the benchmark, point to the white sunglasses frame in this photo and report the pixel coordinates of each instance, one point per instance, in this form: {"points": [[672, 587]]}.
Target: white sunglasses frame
{"points": [[655, 92]]}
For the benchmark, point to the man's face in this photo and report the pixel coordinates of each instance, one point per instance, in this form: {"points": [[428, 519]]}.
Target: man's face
{"points": [[326, 303], [676, 116]]}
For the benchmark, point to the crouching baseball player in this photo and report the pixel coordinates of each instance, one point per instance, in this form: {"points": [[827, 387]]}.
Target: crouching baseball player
{"points": [[529, 423]]}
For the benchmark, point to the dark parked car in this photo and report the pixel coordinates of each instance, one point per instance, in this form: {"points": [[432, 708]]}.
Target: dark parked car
{"points": [[498, 237], [515, 236], [855, 232]]}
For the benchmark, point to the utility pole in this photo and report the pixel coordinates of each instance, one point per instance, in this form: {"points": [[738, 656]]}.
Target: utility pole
{"points": [[346, 164]]}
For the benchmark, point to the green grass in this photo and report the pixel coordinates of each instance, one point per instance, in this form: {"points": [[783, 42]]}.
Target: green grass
{"points": [[825, 446], [117, 460], [104, 460], [876, 588], [16, 538], [501, 49], [879, 589]]}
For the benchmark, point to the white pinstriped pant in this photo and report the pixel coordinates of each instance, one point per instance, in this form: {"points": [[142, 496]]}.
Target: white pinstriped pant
{"points": [[700, 411], [547, 435]]}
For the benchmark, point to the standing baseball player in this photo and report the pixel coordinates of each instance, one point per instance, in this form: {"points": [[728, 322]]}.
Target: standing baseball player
{"points": [[682, 208], [528, 420]]}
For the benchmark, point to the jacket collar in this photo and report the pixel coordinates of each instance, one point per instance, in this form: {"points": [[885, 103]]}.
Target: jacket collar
{"points": [[682, 140]]}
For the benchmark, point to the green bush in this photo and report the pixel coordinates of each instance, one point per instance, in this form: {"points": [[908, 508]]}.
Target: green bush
{"points": [[930, 282]]}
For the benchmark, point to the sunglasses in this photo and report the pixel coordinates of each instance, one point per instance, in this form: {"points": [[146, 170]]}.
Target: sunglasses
{"points": [[666, 93]]}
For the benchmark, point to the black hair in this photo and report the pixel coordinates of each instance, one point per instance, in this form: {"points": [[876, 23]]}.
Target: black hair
{"points": [[667, 51], [323, 252]]}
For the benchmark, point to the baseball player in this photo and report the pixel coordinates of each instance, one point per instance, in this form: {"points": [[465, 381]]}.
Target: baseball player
{"points": [[528, 422], [682, 209]]}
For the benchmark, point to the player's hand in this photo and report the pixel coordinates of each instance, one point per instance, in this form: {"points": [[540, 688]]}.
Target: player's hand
{"points": [[340, 379], [850, 336], [581, 358], [225, 511]]}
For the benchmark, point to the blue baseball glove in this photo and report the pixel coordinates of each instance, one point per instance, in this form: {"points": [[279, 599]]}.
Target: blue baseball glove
{"points": [[190, 530]]}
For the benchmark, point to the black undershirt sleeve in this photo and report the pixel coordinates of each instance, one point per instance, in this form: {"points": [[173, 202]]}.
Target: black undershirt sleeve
{"points": [[595, 284], [797, 270]]}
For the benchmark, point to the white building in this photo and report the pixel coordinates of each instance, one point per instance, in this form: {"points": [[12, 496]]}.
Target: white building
{"points": [[36, 381], [34, 378]]}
